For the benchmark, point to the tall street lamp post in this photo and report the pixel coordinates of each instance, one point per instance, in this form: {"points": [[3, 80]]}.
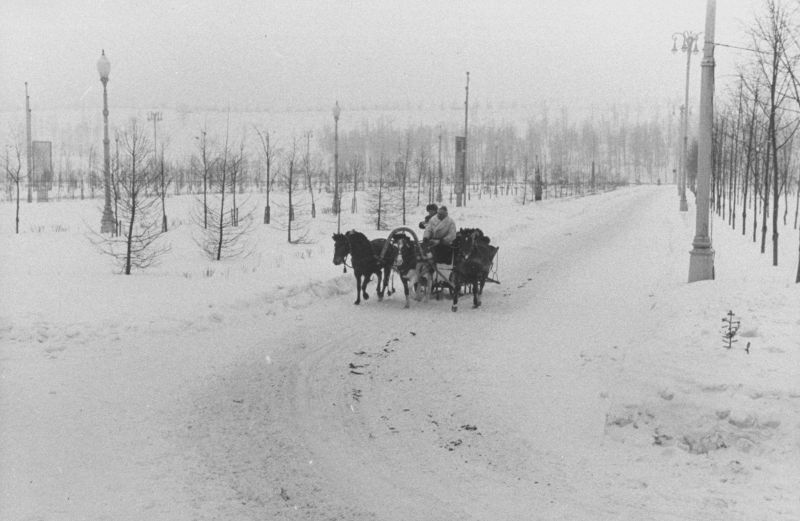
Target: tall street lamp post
{"points": [[461, 197], [336, 112], [701, 259], [155, 117], [107, 222], [689, 46], [29, 149]]}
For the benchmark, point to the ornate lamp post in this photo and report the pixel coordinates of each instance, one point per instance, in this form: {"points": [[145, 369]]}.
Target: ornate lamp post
{"points": [[689, 46], [336, 112], [701, 259], [107, 222]]}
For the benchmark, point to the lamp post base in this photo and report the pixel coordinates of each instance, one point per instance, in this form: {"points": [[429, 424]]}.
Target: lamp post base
{"points": [[701, 263], [684, 205], [107, 222]]}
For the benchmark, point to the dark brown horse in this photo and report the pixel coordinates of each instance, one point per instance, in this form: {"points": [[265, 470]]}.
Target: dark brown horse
{"points": [[366, 259], [473, 261]]}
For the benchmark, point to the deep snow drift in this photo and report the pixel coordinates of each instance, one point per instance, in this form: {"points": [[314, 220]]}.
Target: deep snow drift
{"points": [[592, 383]]}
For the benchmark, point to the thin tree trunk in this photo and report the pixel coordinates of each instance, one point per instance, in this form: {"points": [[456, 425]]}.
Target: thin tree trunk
{"points": [[16, 217], [129, 238]]}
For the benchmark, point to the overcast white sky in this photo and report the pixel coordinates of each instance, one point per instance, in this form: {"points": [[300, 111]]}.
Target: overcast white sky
{"points": [[296, 53]]}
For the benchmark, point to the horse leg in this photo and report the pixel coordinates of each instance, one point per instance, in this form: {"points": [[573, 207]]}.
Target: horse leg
{"points": [[405, 290], [456, 285], [428, 286], [367, 278], [358, 289], [383, 281], [476, 294]]}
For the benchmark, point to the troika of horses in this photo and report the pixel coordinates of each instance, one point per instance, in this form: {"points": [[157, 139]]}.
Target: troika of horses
{"points": [[470, 266]]}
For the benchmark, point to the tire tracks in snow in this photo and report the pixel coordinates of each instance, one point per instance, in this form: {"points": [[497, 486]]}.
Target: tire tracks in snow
{"points": [[457, 420]]}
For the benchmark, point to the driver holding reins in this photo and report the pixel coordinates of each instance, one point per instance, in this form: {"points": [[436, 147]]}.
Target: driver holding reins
{"points": [[440, 233]]}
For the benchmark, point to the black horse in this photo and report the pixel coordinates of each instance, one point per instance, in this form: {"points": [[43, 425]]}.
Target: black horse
{"points": [[473, 260], [366, 258]]}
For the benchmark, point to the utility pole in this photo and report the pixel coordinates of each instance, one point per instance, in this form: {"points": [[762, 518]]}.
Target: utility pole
{"points": [[439, 188], [701, 258], [29, 149], [336, 112], [461, 198], [155, 117]]}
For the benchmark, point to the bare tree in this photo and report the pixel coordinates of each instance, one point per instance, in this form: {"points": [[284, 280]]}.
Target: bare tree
{"points": [[206, 171], [307, 165], [138, 246], [223, 234], [13, 169], [422, 167], [297, 222], [772, 37], [356, 164], [269, 157], [383, 203], [404, 182], [164, 180]]}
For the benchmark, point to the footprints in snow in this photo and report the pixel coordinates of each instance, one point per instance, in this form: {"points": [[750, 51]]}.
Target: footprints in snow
{"points": [[689, 427]]}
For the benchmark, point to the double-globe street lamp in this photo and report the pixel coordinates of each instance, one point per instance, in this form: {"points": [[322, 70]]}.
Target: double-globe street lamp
{"points": [[107, 222], [336, 112], [689, 46]]}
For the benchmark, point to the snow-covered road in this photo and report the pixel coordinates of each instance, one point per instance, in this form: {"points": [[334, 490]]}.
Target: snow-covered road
{"points": [[548, 402], [381, 412]]}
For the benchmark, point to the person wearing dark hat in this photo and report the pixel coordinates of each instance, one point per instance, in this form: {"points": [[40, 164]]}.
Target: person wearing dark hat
{"points": [[440, 233], [431, 209]]}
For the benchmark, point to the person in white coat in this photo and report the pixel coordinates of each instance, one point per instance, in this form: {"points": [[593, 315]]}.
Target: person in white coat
{"points": [[440, 233]]}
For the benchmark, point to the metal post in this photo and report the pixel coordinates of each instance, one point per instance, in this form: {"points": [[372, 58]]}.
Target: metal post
{"points": [[689, 46], [681, 163], [29, 149], [336, 112], [462, 197], [685, 159], [155, 117], [439, 188], [701, 258], [107, 222]]}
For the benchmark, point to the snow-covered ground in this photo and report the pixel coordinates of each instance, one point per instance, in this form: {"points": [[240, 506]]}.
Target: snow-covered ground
{"points": [[591, 384]]}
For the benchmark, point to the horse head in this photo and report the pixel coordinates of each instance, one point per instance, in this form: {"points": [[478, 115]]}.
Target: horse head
{"points": [[407, 254], [475, 254], [341, 248]]}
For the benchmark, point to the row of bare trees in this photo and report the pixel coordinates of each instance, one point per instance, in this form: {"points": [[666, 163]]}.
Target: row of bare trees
{"points": [[622, 144], [755, 178]]}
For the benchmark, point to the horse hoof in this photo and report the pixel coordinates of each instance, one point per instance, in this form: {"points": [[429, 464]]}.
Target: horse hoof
{"points": [[357, 302], [454, 308]]}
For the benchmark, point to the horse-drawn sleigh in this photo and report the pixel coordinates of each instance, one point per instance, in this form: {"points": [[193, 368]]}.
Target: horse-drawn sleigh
{"points": [[470, 266]]}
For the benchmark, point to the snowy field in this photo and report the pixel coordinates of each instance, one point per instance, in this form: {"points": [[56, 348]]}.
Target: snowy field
{"points": [[592, 383]]}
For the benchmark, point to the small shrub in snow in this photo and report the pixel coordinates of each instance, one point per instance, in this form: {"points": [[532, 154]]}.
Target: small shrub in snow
{"points": [[729, 329]]}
